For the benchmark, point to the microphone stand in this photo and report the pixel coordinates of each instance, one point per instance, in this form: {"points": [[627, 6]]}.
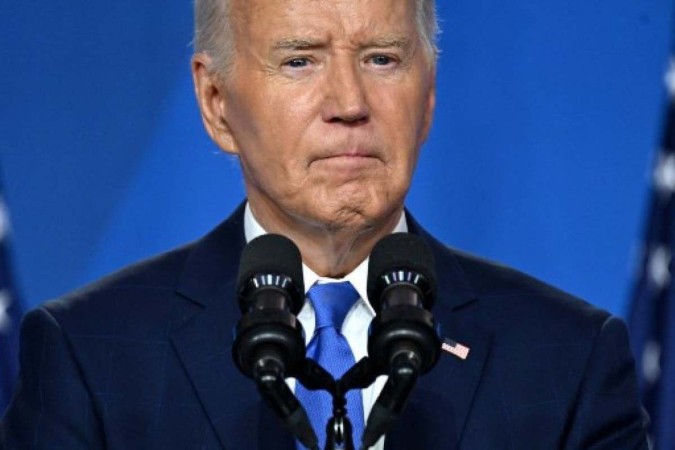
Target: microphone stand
{"points": [[359, 376], [339, 428], [314, 377]]}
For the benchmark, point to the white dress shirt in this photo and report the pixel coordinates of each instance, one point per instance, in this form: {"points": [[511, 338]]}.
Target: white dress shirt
{"points": [[357, 321]]}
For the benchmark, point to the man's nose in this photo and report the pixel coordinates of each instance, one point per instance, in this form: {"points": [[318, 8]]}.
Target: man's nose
{"points": [[346, 99]]}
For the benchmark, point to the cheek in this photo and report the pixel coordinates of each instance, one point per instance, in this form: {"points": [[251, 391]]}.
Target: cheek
{"points": [[271, 166], [277, 122], [403, 127]]}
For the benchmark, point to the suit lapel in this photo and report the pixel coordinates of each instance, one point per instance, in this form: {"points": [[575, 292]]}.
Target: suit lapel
{"points": [[229, 399], [203, 342], [438, 408]]}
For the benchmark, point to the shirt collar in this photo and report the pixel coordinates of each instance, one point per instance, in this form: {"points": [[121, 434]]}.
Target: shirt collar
{"points": [[358, 277]]}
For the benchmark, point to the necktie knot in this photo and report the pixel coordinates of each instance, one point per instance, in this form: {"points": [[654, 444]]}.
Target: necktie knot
{"points": [[332, 302]]}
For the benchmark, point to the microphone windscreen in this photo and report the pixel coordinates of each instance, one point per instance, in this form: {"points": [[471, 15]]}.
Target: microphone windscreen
{"points": [[271, 254], [400, 251]]}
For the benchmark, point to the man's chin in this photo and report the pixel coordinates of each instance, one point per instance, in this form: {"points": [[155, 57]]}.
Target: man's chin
{"points": [[354, 218]]}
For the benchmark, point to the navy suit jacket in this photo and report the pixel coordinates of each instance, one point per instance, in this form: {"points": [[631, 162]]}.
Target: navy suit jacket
{"points": [[141, 360]]}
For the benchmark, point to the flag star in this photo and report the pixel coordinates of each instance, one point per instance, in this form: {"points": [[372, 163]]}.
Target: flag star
{"points": [[657, 267], [5, 320], [651, 362], [670, 78], [664, 175]]}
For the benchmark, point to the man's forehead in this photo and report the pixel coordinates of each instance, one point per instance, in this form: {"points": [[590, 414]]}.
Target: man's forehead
{"points": [[255, 4], [311, 20], [299, 10]]}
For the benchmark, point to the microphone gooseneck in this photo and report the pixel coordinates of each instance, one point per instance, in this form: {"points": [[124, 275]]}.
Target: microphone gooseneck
{"points": [[269, 340], [403, 341]]}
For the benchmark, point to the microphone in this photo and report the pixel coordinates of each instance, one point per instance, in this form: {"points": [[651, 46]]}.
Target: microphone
{"points": [[269, 340], [403, 341]]}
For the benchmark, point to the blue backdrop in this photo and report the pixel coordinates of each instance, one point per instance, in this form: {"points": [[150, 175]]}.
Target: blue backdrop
{"points": [[548, 115]]}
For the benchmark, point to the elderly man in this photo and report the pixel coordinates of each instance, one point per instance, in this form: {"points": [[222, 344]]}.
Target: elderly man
{"points": [[326, 104]]}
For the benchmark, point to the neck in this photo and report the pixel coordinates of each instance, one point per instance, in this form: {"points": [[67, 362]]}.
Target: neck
{"points": [[328, 250]]}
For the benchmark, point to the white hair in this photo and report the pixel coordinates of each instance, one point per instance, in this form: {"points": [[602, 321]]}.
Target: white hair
{"points": [[213, 31]]}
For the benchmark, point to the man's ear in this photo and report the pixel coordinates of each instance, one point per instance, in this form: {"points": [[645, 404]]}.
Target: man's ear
{"points": [[210, 94], [430, 106]]}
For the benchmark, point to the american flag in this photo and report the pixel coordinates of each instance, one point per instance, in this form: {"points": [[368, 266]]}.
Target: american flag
{"points": [[455, 348], [10, 313], [652, 317]]}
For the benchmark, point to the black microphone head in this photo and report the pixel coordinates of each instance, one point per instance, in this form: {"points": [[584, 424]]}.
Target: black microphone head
{"points": [[401, 254], [273, 254]]}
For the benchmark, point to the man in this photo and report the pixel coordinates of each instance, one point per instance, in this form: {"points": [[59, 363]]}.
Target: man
{"points": [[326, 104]]}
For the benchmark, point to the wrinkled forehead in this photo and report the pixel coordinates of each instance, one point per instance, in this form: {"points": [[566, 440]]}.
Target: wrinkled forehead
{"points": [[270, 20]]}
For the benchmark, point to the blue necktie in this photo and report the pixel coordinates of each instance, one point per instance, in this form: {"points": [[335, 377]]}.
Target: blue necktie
{"points": [[328, 347]]}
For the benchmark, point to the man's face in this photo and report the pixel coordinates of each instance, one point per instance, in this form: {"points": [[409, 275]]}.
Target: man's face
{"points": [[327, 105]]}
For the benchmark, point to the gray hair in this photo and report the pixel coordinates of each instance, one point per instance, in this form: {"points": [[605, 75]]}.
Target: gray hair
{"points": [[213, 31]]}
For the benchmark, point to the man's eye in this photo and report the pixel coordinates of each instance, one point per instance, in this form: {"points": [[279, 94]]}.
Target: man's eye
{"points": [[381, 60], [297, 63]]}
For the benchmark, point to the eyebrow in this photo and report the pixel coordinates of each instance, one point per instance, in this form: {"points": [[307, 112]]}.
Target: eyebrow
{"points": [[297, 44], [388, 42], [305, 43]]}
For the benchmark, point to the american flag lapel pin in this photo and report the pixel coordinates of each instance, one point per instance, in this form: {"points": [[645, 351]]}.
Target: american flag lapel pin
{"points": [[455, 348]]}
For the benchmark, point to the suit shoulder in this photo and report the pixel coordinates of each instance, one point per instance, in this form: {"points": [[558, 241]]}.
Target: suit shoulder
{"points": [[148, 294], [509, 292], [148, 279], [492, 278]]}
